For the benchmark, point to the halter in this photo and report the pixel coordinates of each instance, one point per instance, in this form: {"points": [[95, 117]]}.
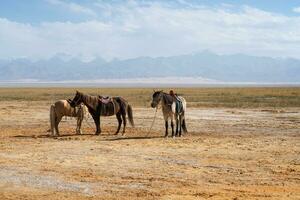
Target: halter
{"points": [[158, 101]]}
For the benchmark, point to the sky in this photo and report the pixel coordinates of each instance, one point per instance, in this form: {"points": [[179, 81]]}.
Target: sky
{"points": [[41, 29]]}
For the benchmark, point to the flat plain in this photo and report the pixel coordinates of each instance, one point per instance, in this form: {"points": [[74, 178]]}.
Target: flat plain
{"points": [[243, 143]]}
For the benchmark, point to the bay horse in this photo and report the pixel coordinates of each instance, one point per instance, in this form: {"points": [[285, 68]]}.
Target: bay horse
{"points": [[173, 109], [98, 106], [63, 108]]}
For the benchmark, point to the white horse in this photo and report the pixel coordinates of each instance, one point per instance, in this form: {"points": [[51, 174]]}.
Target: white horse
{"points": [[63, 108], [173, 107]]}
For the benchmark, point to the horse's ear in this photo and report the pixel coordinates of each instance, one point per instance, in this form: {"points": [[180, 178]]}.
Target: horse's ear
{"points": [[77, 92], [154, 91]]}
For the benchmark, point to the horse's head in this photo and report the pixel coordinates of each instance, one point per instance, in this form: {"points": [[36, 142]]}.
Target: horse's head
{"points": [[156, 97], [77, 99]]}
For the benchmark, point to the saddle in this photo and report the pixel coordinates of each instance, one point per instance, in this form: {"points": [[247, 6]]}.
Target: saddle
{"points": [[170, 99], [105, 100]]}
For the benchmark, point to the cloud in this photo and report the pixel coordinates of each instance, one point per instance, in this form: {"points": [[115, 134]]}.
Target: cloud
{"points": [[133, 29], [73, 7], [296, 10]]}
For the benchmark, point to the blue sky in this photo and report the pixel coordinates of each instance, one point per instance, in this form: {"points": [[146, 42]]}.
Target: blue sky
{"points": [[37, 11], [125, 29]]}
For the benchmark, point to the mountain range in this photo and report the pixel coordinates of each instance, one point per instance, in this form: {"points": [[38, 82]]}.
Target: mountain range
{"points": [[208, 65]]}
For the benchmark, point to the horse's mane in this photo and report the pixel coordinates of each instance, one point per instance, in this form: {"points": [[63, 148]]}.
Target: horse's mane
{"points": [[168, 99], [90, 101]]}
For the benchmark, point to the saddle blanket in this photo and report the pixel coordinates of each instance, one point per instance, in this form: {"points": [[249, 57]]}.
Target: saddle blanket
{"points": [[179, 106], [107, 106]]}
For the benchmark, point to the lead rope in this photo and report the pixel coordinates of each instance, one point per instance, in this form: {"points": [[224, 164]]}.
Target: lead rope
{"points": [[153, 120], [154, 117]]}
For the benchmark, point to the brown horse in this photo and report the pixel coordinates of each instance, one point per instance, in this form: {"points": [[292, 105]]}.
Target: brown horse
{"points": [[99, 106], [63, 108]]}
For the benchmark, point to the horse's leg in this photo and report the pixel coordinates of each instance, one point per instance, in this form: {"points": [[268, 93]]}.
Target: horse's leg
{"points": [[118, 115], [97, 124], [180, 125], [172, 126], [176, 125], [52, 120], [166, 118], [79, 122], [124, 121], [53, 129], [57, 120], [166, 125]]}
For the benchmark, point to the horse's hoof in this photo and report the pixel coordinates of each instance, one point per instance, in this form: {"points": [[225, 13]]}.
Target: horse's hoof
{"points": [[116, 133]]}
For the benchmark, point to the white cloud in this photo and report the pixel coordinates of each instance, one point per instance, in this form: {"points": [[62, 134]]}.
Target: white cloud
{"points": [[297, 9], [155, 29], [74, 7]]}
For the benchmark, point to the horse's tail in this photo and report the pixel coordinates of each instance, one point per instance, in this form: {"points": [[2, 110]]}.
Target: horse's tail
{"points": [[52, 119], [130, 115], [184, 126]]}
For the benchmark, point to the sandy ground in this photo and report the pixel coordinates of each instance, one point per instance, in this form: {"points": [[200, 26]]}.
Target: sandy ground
{"points": [[227, 154]]}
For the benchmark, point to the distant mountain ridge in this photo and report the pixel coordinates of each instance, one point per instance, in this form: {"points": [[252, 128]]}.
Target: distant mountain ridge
{"points": [[226, 68]]}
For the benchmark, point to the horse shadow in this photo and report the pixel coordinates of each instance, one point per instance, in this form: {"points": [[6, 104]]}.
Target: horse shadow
{"points": [[133, 138], [50, 136], [82, 135]]}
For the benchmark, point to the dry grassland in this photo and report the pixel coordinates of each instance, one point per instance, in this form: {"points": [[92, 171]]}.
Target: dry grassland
{"points": [[243, 143]]}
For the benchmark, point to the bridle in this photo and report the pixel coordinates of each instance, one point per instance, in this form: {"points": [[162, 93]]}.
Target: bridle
{"points": [[158, 99], [76, 102]]}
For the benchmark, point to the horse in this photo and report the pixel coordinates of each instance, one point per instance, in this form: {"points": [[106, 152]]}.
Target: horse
{"points": [[63, 108], [100, 106], [170, 109]]}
